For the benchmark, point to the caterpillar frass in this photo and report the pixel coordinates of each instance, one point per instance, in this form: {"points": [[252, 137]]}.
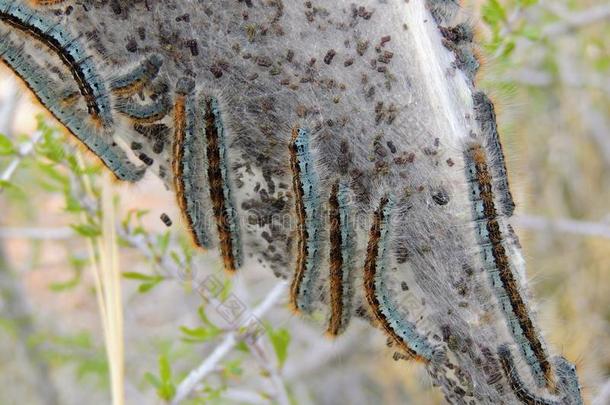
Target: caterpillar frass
{"points": [[498, 265], [307, 210], [16, 58], [70, 51], [156, 134]]}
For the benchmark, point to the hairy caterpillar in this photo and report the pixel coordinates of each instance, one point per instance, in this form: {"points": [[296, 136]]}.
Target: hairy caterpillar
{"points": [[567, 381], [486, 116], [46, 91], [307, 208], [402, 331], [189, 164], [220, 187], [499, 266], [69, 50], [134, 80], [144, 113], [340, 259], [517, 385], [382, 95]]}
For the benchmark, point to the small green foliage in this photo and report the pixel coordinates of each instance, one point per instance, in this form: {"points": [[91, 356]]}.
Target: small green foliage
{"points": [[77, 265], [148, 281], [87, 230], [51, 146], [280, 339], [163, 383], [202, 333], [233, 368], [493, 14], [6, 146]]}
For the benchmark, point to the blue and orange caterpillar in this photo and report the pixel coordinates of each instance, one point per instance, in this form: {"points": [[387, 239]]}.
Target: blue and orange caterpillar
{"points": [[568, 389], [341, 258], [57, 102], [403, 332], [499, 266], [70, 51], [141, 75], [188, 164], [307, 210]]}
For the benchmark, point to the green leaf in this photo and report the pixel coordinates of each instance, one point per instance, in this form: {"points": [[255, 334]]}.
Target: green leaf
{"points": [[165, 371], [97, 366], [163, 242], [493, 14], [51, 147], [11, 187], [242, 346], [233, 368], [73, 205], [146, 287], [52, 173], [6, 145], [527, 3], [153, 380], [150, 281], [86, 230], [531, 33], [200, 334], [67, 285], [204, 318], [167, 389], [508, 48], [280, 339], [140, 276]]}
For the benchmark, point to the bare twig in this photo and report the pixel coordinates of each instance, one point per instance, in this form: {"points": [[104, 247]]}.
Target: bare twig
{"points": [[261, 355], [571, 20], [58, 233], [230, 340], [562, 225], [244, 397]]}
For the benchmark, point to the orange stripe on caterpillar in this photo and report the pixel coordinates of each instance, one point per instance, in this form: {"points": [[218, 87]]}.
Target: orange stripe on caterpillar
{"points": [[187, 165], [70, 51], [498, 265], [306, 197], [340, 260], [514, 380], [386, 312], [220, 187]]}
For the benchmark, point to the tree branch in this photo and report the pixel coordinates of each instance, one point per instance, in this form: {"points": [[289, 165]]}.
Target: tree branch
{"points": [[571, 20], [562, 225], [231, 339]]}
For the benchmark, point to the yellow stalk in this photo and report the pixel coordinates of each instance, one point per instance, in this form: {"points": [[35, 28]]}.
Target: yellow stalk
{"points": [[103, 251]]}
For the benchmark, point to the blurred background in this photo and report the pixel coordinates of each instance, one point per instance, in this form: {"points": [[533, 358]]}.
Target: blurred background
{"points": [[547, 68]]}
